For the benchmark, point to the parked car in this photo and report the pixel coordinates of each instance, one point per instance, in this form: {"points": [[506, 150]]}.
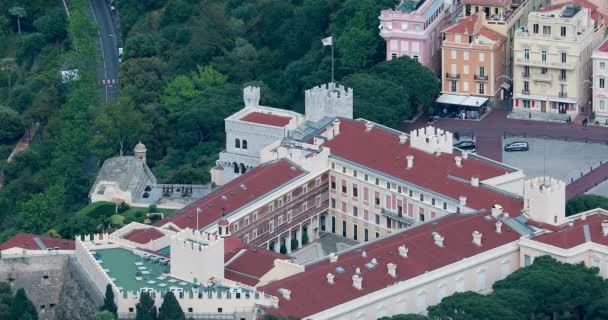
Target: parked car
{"points": [[467, 145], [517, 146]]}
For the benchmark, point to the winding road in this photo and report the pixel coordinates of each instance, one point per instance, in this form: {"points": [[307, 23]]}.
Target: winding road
{"points": [[108, 46]]}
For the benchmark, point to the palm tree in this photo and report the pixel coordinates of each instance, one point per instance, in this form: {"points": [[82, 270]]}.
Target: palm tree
{"points": [[18, 12]]}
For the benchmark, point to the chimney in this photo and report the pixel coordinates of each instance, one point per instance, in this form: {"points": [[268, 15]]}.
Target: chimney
{"points": [[465, 155], [496, 210], [364, 254], [333, 257], [330, 278], [584, 216], [498, 226], [477, 238], [336, 124], [358, 270], [402, 138], [318, 141], [458, 161], [392, 269], [275, 302], [286, 294], [463, 201], [438, 239], [410, 161], [357, 282], [605, 228], [475, 181], [368, 126], [403, 251]]}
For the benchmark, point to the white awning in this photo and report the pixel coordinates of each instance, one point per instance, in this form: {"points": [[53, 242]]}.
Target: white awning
{"points": [[563, 100], [505, 86], [466, 101]]}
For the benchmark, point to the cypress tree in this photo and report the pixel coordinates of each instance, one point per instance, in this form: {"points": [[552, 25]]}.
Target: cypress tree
{"points": [[22, 307], [108, 302], [171, 310], [145, 308]]}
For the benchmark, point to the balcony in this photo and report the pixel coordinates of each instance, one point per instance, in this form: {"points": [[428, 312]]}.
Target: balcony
{"points": [[562, 78], [525, 92], [393, 215], [482, 77], [545, 77], [563, 95], [525, 74], [543, 64], [452, 76]]}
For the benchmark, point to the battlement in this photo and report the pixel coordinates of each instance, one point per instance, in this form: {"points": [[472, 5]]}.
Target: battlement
{"points": [[197, 255], [328, 100], [251, 96], [545, 200], [432, 140]]}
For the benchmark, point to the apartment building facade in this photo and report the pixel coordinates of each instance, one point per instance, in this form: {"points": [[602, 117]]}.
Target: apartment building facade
{"points": [[473, 60], [552, 61], [413, 29], [600, 88]]}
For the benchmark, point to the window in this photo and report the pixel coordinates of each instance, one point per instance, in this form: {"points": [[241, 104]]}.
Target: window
{"points": [[344, 228], [482, 88], [564, 57], [480, 280], [528, 260], [482, 57], [377, 181], [465, 86], [562, 75], [421, 197], [333, 165], [411, 193], [280, 220], [343, 169], [442, 292], [246, 221], [544, 70], [445, 206], [526, 54], [333, 183], [421, 217], [453, 86], [526, 86], [417, 27], [602, 83], [595, 262], [333, 224], [465, 69], [602, 65], [355, 173], [460, 284], [602, 105], [377, 235], [271, 207], [237, 143], [543, 56], [355, 191], [270, 226], [344, 189], [465, 55], [526, 104], [547, 30], [366, 234], [355, 232], [255, 233], [333, 203], [415, 57], [219, 310], [404, 26], [421, 302], [377, 200], [482, 71], [505, 268], [255, 216], [377, 219], [563, 31], [366, 177], [388, 185], [457, 38], [535, 28], [453, 54], [245, 144], [355, 211], [399, 189]]}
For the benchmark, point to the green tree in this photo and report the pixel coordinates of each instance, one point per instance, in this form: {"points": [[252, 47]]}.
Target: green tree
{"points": [[145, 309], [116, 124], [170, 309], [585, 202], [470, 306], [597, 310], [6, 300], [22, 307], [405, 317], [105, 315], [108, 302], [53, 25], [11, 126], [41, 209], [19, 13]]}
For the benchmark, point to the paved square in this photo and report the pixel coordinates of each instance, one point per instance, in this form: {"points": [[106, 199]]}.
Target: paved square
{"points": [[564, 160]]}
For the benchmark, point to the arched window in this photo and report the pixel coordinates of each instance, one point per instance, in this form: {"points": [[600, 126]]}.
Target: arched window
{"points": [[237, 143], [245, 144], [236, 167], [243, 169]]}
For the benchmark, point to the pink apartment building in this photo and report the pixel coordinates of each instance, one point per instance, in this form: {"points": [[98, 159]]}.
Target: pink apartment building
{"points": [[473, 59], [414, 29], [600, 83]]}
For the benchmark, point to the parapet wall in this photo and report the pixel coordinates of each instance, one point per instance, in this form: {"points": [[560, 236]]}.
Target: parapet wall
{"points": [[545, 200], [432, 140], [328, 100]]}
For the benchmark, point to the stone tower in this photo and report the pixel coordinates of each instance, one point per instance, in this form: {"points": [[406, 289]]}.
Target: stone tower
{"points": [[545, 200], [140, 152], [251, 96], [328, 100]]}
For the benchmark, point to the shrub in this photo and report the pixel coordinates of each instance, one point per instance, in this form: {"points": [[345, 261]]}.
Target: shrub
{"points": [[294, 244]]}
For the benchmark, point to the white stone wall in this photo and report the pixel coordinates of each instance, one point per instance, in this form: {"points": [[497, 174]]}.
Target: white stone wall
{"points": [[281, 270], [195, 255], [545, 200], [431, 140], [328, 100]]}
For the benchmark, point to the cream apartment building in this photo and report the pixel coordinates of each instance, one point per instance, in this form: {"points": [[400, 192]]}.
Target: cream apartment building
{"points": [[552, 65], [600, 84]]}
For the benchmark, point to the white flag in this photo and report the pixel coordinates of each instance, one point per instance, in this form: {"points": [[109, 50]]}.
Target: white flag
{"points": [[199, 210], [329, 41]]}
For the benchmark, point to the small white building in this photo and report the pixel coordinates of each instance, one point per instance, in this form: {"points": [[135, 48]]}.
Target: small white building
{"points": [[600, 83]]}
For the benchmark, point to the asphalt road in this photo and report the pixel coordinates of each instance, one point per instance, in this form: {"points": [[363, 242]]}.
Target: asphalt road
{"points": [[108, 67]]}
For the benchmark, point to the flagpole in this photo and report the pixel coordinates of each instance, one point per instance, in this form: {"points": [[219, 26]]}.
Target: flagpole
{"points": [[332, 58], [197, 211]]}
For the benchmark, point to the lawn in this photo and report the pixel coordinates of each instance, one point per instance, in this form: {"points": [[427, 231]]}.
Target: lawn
{"points": [[102, 210]]}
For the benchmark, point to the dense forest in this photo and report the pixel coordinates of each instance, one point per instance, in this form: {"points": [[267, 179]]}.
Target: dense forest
{"points": [[184, 66]]}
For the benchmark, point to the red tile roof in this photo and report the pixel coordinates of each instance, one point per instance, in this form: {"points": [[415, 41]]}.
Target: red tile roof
{"points": [[143, 236], [571, 236], [266, 118], [491, 34], [380, 150], [489, 3], [604, 47], [235, 276], [250, 264], [259, 181], [465, 25], [595, 14], [310, 292], [28, 241]]}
